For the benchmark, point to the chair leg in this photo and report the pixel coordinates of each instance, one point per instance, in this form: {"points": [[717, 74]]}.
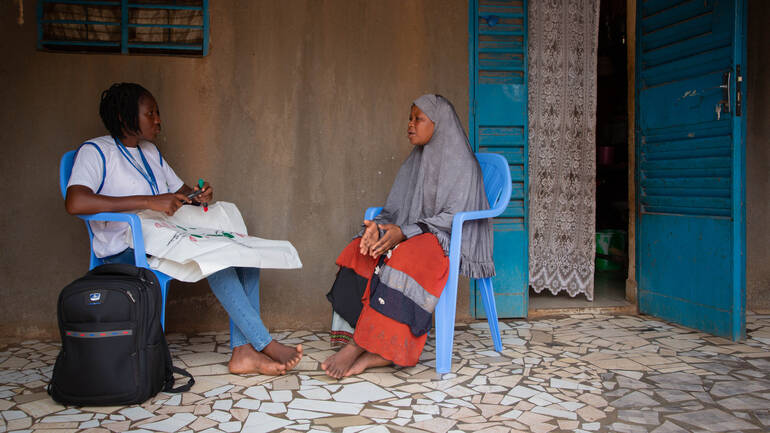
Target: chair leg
{"points": [[445, 328], [164, 280], [163, 293], [488, 298]]}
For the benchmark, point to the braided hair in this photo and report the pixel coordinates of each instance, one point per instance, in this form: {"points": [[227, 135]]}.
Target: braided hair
{"points": [[119, 108]]}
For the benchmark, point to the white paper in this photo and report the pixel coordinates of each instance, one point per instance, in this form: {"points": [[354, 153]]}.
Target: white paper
{"points": [[193, 244]]}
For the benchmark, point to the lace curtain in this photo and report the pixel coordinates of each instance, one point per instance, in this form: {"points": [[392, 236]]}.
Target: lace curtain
{"points": [[562, 145]]}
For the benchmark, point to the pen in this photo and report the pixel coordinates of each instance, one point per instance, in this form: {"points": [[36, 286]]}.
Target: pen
{"points": [[205, 205]]}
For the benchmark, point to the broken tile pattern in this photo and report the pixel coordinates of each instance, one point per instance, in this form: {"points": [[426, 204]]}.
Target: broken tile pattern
{"points": [[584, 372]]}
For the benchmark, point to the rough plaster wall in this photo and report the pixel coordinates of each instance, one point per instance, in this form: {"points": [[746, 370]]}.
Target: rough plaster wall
{"points": [[298, 115], [758, 158]]}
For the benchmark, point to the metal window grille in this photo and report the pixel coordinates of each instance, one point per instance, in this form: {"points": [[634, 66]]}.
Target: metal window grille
{"points": [[123, 26]]}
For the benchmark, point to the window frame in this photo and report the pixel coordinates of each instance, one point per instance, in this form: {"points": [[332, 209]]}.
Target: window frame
{"points": [[125, 45]]}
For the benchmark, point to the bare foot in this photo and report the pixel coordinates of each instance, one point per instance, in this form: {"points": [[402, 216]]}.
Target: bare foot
{"points": [[339, 363], [367, 360], [288, 356], [246, 360]]}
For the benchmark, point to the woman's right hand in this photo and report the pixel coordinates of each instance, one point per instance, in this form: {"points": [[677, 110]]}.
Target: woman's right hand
{"points": [[168, 203], [369, 238]]}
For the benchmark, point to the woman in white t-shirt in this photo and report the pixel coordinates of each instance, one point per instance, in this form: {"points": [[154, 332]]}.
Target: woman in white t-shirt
{"points": [[124, 171]]}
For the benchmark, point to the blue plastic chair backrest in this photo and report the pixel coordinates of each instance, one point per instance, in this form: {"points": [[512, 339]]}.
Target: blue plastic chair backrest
{"points": [[65, 171], [492, 168]]}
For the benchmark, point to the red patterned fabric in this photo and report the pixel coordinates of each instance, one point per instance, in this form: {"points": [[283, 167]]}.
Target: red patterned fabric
{"points": [[423, 259]]}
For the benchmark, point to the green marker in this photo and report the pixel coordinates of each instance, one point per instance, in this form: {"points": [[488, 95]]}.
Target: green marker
{"points": [[205, 205]]}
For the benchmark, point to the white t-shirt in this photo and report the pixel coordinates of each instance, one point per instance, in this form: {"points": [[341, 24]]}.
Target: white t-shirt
{"points": [[120, 179]]}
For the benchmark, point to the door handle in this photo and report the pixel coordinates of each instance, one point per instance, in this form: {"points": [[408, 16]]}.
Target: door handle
{"points": [[725, 86]]}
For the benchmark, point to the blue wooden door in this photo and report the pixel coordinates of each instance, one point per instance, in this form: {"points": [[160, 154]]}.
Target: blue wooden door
{"points": [[690, 163], [498, 124]]}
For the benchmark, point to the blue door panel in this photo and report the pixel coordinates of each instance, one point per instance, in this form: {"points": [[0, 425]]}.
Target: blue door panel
{"points": [[681, 245], [697, 96], [498, 124], [690, 175], [496, 96], [508, 232]]}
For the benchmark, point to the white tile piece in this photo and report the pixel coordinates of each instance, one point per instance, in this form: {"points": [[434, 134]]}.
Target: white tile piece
{"points": [[68, 418], [513, 414], [70, 411], [571, 405], [556, 413], [10, 415], [223, 404], [89, 424], [401, 421], [258, 392], [219, 416], [296, 414], [563, 383], [174, 401], [539, 400], [523, 392], [436, 396], [361, 392], [272, 407], [218, 390], [230, 427], [170, 425], [591, 426], [316, 394], [509, 400], [326, 406], [259, 422], [136, 413], [248, 403]]}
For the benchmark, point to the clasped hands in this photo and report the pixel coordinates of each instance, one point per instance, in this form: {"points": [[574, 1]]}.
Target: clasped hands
{"points": [[373, 245]]}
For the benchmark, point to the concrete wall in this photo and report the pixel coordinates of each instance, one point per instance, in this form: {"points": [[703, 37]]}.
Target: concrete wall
{"points": [[298, 115], [758, 157]]}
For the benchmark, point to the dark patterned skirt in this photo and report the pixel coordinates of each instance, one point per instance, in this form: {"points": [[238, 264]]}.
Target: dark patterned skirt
{"points": [[385, 305]]}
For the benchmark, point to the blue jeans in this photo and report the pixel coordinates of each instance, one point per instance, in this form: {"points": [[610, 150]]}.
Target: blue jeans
{"points": [[238, 291]]}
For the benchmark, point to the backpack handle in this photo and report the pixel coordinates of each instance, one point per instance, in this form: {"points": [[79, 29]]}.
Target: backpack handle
{"points": [[117, 268]]}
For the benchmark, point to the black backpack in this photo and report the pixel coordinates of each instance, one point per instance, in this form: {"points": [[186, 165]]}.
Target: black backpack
{"points": [[113, 350]]}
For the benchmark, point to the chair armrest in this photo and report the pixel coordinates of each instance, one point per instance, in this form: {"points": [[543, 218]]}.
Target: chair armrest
{"points": [[457, 227], [372, 212], [140, 257]]}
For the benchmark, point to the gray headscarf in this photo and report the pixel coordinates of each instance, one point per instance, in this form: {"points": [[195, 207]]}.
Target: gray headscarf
{"points": [[437, 181]]}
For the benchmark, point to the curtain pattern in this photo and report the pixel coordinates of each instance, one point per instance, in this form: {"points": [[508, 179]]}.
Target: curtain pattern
{"points": [[562, 145]]}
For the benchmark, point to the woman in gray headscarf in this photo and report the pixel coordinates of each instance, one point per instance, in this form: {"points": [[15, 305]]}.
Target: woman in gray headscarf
{"points": [[392, 275]]}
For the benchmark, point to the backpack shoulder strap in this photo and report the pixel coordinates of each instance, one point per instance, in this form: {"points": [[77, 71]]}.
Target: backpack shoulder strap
{"points": [[169, 387], [171, 369], [104, 162]]}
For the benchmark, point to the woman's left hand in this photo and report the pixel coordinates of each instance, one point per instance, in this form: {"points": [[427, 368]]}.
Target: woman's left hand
{"points": [[207, 196], [388, 240]]}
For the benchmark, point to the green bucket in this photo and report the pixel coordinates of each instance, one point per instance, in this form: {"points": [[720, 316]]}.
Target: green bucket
{"points": [[610, 243]]}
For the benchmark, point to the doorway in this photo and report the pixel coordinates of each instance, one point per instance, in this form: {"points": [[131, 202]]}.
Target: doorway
{"points": [[612, 174]]}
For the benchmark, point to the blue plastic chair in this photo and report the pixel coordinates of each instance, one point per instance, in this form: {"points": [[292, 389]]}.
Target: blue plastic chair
{"points": [[497, 186], [140, 258]]}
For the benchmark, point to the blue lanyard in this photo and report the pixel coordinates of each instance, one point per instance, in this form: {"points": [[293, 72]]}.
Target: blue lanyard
{"points": [[147, 173]]}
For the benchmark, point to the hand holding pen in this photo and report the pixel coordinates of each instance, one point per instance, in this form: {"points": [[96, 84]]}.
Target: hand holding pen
{"points": [[202, 194]]}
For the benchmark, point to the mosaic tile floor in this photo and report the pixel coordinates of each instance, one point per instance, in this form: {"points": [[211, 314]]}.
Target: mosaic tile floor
{"points": [[584, 373]]}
